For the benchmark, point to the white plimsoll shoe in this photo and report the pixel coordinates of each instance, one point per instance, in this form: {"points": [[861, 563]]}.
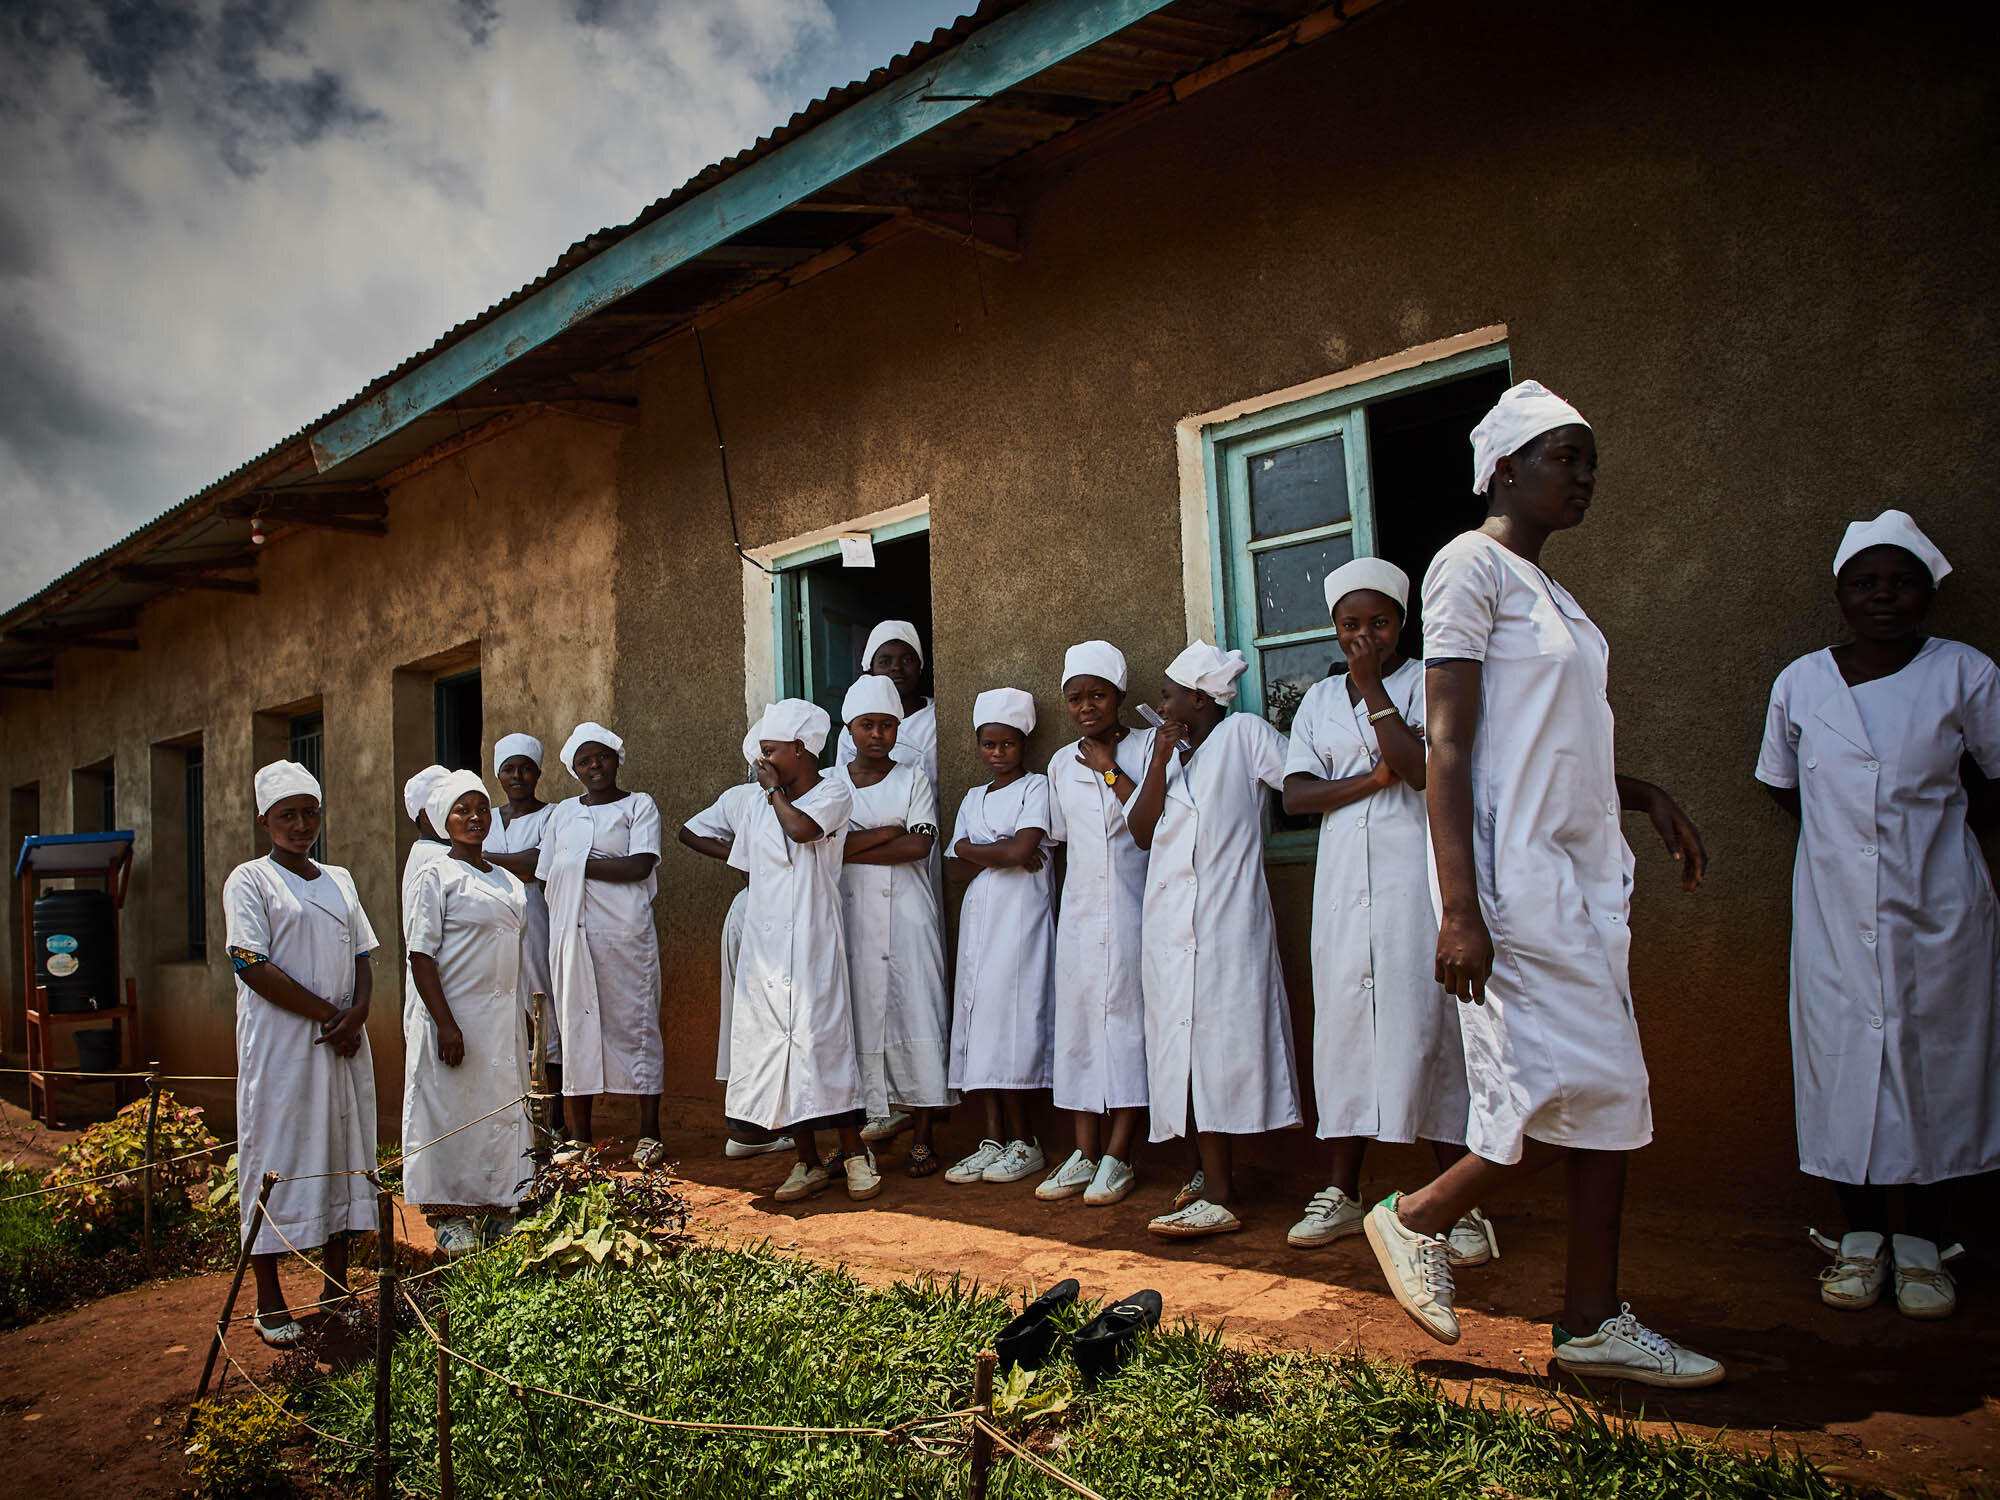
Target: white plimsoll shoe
{"points": [[1472, 1241], [863, 1181], [885, 1127], [1198, 1219], [1330, 1216], [803, 1182], [1066, 1181], [1191, 1190], [1113, 1181], [456, 1236], [569, 1153], [1623, 1348], [973, 1168], [1418, 1267], [1019, 1159], [649, 1153], [736, 1150], [1859, 1271], [1924, 1288]]}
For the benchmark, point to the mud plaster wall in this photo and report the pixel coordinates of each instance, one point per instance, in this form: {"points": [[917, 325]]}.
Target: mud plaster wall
{"points": [[510, 546], [1761, 263]]}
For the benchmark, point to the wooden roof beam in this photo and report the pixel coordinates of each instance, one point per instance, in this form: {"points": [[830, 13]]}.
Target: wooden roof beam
{"points": [[904, 192], [56, 638], [207, 574]]}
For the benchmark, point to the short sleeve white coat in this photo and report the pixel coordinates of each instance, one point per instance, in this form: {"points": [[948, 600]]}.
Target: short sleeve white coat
{"points": [[720, 820], [518, 837], [1004, 999]]}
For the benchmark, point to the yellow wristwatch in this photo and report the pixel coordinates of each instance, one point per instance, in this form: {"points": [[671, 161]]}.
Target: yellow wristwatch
{"points": [[1111, 778]]}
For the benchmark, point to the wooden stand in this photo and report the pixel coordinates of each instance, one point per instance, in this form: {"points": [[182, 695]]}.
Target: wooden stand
{"points": [[72, 857]]}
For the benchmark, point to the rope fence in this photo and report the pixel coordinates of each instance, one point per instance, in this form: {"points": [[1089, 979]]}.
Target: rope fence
{"points": [[93, 1073]]}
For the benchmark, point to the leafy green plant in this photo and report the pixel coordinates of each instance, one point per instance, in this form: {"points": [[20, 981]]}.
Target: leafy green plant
{"points": [[238, 1450], [578, 1231], [222, 1188], [116, 1149]]}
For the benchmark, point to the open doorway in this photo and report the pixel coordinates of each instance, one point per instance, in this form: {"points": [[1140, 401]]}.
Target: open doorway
{"points": [[826, 611]]}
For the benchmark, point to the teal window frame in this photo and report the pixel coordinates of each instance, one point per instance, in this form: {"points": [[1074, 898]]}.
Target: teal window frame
{"points": [[1227, 448], [791, 604]]}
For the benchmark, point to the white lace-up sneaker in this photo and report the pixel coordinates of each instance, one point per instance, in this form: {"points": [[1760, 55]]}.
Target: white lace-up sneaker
{"points": [[885, 1127], [1859, 1271], [973, 1168], [1418, 1267], [457, 1236], [1066, 1181], [1924, 1288], [1623, 1348], [1017, 1160], [803, 1182], [1472, 1241], [1330, 1216], [1113, 1181]]}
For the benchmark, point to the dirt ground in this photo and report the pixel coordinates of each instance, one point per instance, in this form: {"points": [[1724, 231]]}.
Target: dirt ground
{"points": [[1874, 1398]]}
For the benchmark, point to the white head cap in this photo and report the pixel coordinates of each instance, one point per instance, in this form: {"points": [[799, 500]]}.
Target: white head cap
{"points": [[417, 790], [1376, 573], [753, 742], [1521, 415], [282, 779], [1005, 706], [871, 695], [510, 745], [1207, 670], [590, 732], [891, 630], [445, 794], [796, 719], [1893, 528], [1095, 659]]}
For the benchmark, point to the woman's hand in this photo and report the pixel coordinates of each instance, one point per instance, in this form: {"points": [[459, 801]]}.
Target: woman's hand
{"points": [[343, 1032], [1096, 755], [1464, 957], [1165, 738], [451, 1045], [767, 774], [1682, 838], [1364, 663], [1384, 775]]}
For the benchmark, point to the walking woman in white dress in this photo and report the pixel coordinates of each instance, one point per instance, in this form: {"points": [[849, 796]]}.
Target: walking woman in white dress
{"points": [[1534, 884], [514, 843], [1100, 1002], [1219, 1057], [1387, 1064], [305, 1079], [895, 935], [599, 855], [1895, 932], [1004, 1000], [465, 1040]]}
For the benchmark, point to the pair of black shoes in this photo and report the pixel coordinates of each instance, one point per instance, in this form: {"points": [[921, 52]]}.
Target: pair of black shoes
{"points": [[1099, 1347]]}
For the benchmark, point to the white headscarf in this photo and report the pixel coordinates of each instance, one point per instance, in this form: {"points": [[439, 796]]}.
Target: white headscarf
{"points": [[1005, 706], [1376, 573], [444, 796], [1207, 670], [1893, 528], [891, 630], [510, 745], [796, 719], [1095, 659], [1522, 414], [590, 732], [417, 790], [282, 779], [871, 695]]}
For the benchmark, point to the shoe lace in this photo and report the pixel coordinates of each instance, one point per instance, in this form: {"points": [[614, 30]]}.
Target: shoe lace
{"points": [[1628, 1327], [1434, 1265], [1939, 1279], [1849, 1267]]}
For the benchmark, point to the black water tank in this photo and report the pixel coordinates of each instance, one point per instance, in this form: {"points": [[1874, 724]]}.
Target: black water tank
{"points": [[76, 949]]}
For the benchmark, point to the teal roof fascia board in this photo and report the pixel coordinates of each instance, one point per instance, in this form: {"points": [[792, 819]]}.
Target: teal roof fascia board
{"points": [[995, 58]]}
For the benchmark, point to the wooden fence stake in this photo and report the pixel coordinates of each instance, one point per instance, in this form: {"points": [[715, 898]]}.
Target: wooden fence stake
{"points": [[447, 1482], [538, 1072], [982, 1445], [235, 1285], [385, 1333], [152, 1132]]}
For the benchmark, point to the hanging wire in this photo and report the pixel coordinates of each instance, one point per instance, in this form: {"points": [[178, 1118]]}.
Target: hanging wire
{"points": [[722, 452]]}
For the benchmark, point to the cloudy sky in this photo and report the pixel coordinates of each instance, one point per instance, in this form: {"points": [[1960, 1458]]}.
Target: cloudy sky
{"points": [[219, 218]]}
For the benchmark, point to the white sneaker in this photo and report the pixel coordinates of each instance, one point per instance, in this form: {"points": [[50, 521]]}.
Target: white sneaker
{"points": [[1113, 1181], [885, 1127], [973, 1168], [803, 1182], [649, 1153], [1859, 1271], [569, 1153], [1472, 1241], [1198, 1219], [1418, 1267], [1626, 1349], [1330, 1216], [736, 1150], [1072, 1177], [1019, 1159], [863, 1181], [456, 1236], [1924, 1288], [1191, 1190]]}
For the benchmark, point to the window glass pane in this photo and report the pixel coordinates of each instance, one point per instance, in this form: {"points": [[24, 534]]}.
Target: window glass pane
{"points": [[1294, 488], [1289, 671], [1291, 584]]}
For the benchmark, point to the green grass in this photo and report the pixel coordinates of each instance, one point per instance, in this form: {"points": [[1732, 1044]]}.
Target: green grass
{"points": [[754, 1336]]}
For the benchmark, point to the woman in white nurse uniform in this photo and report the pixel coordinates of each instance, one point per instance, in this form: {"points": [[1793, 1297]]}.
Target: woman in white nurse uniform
{"points": [[1387, 1064], [305, 1079], [599, 855], [1100, 1001], [465, 1065], [514, 843], [893, 651], [1895, 932], [1219, 1056], [1534, 882]]}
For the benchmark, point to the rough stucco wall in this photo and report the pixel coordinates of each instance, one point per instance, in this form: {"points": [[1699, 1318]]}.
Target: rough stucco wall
{"points": [[510, 545], [1759, 261]]}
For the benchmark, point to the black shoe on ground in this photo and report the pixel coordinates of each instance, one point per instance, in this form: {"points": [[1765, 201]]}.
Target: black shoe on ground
{"points": [[1028, 1339], [1106, 1341]]}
